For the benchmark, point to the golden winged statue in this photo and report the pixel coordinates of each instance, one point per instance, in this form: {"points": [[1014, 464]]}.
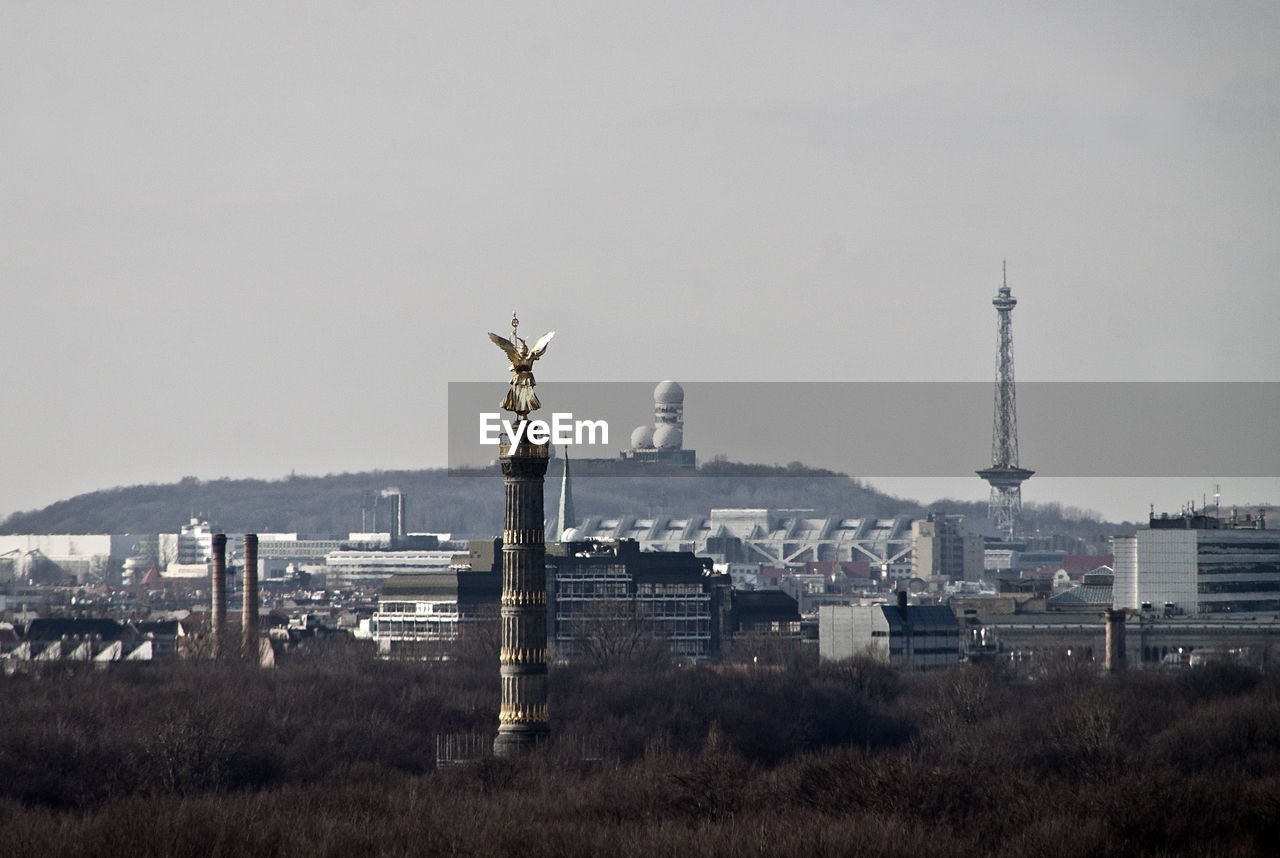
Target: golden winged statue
{"points": [[520, 397]]}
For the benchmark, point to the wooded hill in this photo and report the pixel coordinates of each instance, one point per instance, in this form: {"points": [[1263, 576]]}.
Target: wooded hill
{"points": [[471, 504]]}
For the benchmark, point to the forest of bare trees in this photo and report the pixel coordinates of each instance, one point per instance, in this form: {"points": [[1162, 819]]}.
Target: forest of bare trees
{"points": [[335, 754]]}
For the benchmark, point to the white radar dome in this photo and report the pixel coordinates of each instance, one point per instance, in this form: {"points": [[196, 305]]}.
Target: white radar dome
{"points": [[668, 437], [668, 393], [642, 438]]}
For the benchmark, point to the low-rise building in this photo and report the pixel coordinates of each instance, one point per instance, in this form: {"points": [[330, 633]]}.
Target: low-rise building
{"points": [[83, 557], [917, 637], [1093, 593], [766, 613], [345, 568], [421, 611], [1150, 641]]}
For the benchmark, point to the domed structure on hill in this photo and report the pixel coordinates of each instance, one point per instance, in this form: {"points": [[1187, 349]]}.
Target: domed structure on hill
{"points": [[662, 443], [668, 406], [642, 438], [668, 393], [667, 437]]}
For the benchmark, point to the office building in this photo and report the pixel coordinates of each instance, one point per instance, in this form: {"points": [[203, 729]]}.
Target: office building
{"points": [[943, 549], [611, 594], [422, 609], [1197, 564]]}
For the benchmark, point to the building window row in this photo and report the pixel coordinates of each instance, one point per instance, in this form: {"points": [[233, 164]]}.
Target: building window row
{"points": [[1238, 586], [592, 590], [669, 589], [1221, 568], [1240, 606], [674, 607], [414, 629], [1237, 549]]}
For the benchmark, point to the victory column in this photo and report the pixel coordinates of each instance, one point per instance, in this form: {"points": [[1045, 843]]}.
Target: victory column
{"points": [[523, 720]]}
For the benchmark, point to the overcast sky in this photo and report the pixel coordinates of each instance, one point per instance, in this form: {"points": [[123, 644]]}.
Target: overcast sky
{"points": [[247, 239]]}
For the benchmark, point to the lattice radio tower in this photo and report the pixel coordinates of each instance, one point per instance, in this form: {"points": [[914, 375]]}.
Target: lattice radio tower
{"points": [[1004, 475]]}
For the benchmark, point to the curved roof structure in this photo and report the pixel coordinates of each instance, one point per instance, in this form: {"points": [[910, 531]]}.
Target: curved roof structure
{"points": [[642, 438], [668, 393], [668, 437]]}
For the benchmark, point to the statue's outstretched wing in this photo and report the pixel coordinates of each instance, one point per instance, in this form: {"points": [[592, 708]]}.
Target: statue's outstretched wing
{"points": [[541, 345], [506, 345]]}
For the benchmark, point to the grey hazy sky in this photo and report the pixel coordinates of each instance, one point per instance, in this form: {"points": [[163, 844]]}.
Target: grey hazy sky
{"points": [[247, 238]]}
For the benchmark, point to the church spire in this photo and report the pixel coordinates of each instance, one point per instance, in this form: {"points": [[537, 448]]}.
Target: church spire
{"points": [[566, 517]]}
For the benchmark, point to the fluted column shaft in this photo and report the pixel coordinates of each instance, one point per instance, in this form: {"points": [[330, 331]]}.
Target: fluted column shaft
{"points": [[523, 719]]}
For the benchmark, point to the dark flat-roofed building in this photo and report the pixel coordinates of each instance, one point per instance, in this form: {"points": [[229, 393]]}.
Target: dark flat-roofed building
{"points": [[771, 613], [610, 589]]}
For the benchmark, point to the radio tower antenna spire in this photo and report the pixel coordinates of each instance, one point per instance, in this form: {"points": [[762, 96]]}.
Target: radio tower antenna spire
{"points": [[1005, 476]]}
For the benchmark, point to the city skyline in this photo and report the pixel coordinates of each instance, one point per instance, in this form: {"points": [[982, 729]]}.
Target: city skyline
{"points": [[260, 242]]}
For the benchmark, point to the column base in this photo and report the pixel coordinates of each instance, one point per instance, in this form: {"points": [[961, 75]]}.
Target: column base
{"points": [[513, 742]]}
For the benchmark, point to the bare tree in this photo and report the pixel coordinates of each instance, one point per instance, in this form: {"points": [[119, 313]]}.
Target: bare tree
{"points": [[609, 632]]}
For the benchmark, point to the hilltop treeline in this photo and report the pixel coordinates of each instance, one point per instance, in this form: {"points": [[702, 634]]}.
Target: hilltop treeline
{"points": [[472, 505], [337, 757]]}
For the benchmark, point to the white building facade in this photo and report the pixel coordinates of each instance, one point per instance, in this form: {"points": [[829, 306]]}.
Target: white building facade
{"points": [[1193, 571]]}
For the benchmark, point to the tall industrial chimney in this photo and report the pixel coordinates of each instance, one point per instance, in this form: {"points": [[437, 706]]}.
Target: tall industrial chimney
{"points": [[1115, 641], [219, 592], [250, 611]]}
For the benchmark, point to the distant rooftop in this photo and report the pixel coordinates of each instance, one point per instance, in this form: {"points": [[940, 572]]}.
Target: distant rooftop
{"points": [[1095, 592], [1193, 520]]}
